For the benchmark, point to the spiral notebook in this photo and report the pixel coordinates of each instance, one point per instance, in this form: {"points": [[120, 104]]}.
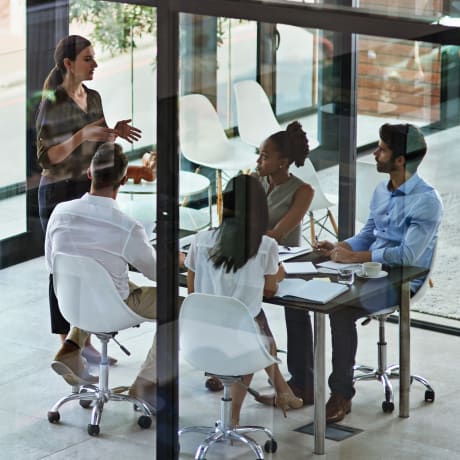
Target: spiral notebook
{"points": [[315, 291]]}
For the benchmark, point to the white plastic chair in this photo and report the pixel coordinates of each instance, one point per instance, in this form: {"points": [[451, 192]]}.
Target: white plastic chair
{"points": [[219, 336], [203, 140], [383, 373], [320, 202], [89, 300], [256, 120]]}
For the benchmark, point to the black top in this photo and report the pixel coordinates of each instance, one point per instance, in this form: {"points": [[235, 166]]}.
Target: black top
{"points": [[60, 117]]}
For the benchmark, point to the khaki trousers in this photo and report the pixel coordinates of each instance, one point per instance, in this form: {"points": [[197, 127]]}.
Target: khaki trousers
{"points": [[143, 301]]}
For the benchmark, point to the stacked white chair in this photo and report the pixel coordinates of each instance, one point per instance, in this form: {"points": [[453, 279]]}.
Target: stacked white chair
{"points": [[203, 140]]}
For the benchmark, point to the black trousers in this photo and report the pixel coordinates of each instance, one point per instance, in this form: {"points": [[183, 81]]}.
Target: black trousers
{"points": [[299, 347], [50, 194]]}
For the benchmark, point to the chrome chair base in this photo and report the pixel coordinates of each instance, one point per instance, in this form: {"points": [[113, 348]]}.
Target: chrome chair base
{"points": [[98, 396], [225, 431], [384, 373]]}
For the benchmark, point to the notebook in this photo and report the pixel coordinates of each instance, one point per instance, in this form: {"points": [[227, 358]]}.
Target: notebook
{"points": [[289, 252], [315, 291], [292, 268]]}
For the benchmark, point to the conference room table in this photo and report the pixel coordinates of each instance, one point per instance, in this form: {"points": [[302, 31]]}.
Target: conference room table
{"points": [[361, 291]]}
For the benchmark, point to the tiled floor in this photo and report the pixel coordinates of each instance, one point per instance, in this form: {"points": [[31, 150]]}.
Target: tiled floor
{"points": [[29, 387]]}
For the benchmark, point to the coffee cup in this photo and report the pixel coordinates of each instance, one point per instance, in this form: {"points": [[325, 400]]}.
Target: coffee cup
{"points": [[371, 269]]}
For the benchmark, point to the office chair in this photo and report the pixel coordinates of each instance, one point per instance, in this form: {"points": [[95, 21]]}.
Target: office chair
{"points": [[203, 141], [256, 120], [320, 201], [89, 300], [219, 336], [383, 372]]}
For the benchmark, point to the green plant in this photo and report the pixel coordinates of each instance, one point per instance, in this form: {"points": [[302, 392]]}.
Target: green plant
{"points": [[115, 25]]}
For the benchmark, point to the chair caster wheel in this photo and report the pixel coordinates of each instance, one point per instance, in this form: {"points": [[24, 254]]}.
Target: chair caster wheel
{"points": [[429, 396], [144, 421], [271, 446], [85, 403], [53, 417], [93, 430], [388, 406]]}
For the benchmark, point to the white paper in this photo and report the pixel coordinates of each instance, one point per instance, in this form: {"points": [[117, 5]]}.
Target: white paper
{"points": [[292, 268], [285, 254], [315, 291], [292, 249], [329, 264]]}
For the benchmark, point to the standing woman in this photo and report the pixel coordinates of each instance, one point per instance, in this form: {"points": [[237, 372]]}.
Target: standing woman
{"points": [[288, 200], [239, 260], [70, 126]]}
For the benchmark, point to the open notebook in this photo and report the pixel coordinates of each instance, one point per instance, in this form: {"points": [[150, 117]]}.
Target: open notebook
{"points": [[315, 291]]}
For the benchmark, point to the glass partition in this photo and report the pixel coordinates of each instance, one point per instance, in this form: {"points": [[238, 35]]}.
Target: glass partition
{"points": [[12, 114]]}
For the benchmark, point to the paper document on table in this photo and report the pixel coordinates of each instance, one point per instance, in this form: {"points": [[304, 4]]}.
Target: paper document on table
{"points": [[289, 252], [313, 291], [304, 268], [330, 265]]}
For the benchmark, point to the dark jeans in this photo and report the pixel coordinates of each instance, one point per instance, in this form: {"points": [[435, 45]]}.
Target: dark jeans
{"points": [[299, 347], [345, 340], [50, 194]]}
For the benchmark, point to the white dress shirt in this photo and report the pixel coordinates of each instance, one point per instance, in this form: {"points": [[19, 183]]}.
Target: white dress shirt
{"points": [[94, 226]]}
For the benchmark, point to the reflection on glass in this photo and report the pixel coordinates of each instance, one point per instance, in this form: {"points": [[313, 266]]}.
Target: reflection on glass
{"points": [[236, 60], [420, 9], [399, 78], [12, 114], [295, 68], [125, 44]]}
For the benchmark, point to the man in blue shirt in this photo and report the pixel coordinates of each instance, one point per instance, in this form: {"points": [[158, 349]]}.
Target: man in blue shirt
{"points": [[402, 229]]}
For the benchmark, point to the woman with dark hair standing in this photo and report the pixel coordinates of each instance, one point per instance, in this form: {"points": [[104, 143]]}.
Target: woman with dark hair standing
{"points": [[70, 126], [238, 259], [288, 200]]}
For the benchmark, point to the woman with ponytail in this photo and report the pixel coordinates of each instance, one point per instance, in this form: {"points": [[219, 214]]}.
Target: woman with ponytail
{"points": [[70, 126], [288, 200]]}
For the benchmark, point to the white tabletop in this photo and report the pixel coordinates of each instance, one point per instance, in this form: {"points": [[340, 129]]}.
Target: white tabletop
{"points": [[143, 208], [189, 184]]}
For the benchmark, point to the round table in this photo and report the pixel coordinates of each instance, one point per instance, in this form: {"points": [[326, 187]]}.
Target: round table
{"points": [[142, 207]]}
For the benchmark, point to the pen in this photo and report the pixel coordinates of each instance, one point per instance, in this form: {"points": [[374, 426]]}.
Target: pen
{"points": [[287, 248], [316, 241]]}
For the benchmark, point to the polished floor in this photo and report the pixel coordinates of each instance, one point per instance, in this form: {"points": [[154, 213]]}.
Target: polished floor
{"points": [[29, 388]]}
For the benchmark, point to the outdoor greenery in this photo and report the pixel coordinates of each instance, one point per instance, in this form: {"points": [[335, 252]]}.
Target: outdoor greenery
{"points": [[116, 26]]}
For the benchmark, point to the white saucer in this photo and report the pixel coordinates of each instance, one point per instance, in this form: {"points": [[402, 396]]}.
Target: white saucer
{"points": [[382, 274]]}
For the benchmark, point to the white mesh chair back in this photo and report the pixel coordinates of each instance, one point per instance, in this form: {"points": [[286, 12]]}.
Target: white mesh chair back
{"points": [[219, 336], [87, 296]]}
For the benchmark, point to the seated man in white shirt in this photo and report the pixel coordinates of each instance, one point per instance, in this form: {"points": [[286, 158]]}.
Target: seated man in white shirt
{"points": [[94, 226]]}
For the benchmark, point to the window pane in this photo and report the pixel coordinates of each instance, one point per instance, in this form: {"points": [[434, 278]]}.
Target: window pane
{"points": [[13, 122]]}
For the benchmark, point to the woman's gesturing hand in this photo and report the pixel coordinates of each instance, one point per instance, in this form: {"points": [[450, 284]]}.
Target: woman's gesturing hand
{"points": [[129, 133]]}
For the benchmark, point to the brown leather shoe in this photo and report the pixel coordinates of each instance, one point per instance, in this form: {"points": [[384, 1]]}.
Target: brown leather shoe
{"points": [[337, 407], [305, 393]]}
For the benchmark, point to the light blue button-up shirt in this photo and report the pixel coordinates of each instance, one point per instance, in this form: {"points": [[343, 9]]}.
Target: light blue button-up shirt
{"points": [[403, 224]]}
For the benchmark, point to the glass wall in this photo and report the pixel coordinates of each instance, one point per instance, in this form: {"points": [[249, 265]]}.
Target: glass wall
{"points": [[124, 40], [13, 117], [397, 81]]}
